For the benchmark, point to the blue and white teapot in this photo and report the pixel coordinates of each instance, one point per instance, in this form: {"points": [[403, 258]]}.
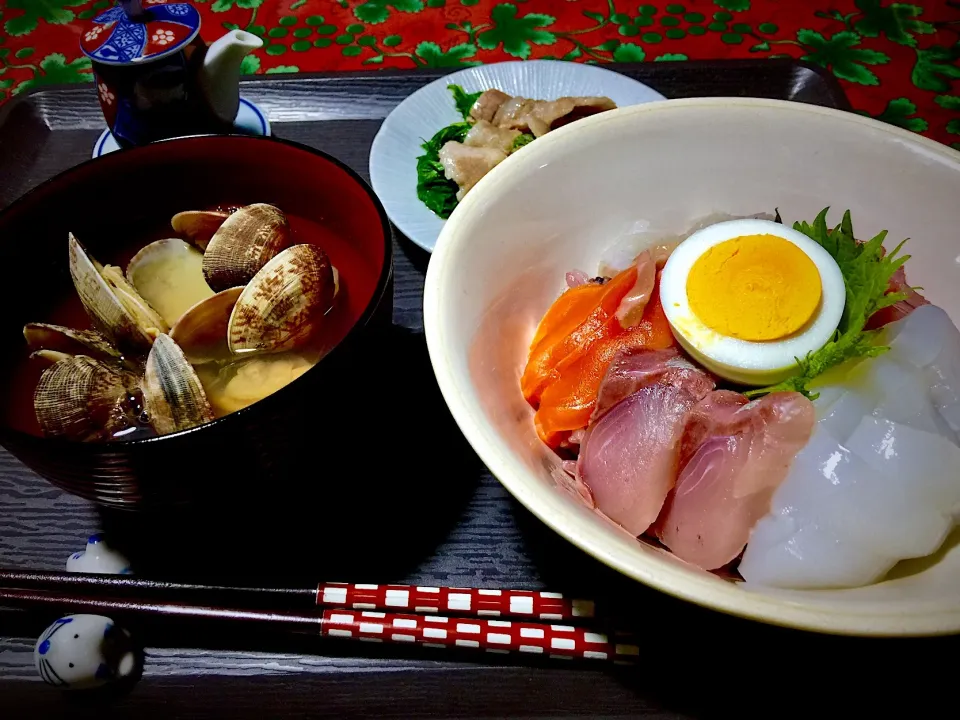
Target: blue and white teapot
{"points": [[155, 76]]}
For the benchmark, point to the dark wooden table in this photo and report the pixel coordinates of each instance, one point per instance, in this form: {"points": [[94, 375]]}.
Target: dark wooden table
{"points": [[696, 663]]}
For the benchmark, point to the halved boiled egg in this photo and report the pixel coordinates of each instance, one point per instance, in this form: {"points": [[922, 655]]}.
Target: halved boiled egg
{"points": [[746, 298]]}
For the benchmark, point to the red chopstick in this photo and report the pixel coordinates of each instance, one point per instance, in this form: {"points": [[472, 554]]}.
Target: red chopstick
{"points": [[493, 636], [420, 599], [480, 602]]}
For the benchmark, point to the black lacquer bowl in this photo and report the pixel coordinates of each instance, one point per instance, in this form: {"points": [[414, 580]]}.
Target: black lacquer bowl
{"points": [[286, 440]]}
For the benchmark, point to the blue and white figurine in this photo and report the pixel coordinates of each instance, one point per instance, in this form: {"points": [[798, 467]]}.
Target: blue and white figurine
{"points": [[87, 651], [98, 558], [84, 651]]}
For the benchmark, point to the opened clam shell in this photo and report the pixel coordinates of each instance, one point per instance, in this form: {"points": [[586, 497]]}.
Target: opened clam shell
{"points": [[44, 336], [81, 398], [168, 274], [112, 303], [172, 394], [243, 244], [242, 383], [49, 357], [201, 332], [284, 304], [198, 226]]}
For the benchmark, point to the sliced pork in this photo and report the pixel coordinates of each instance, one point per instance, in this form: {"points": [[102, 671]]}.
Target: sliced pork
{"points": [[733, 456], [486, 106], [498, 120], [540, 116], [483, 134], [466, 165]]}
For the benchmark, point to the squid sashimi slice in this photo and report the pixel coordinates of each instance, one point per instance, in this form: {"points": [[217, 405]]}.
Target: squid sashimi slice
{"points": [[883, 388], [844, 414], [926, 463], [875, 510], [788, 552], [927, 339], [918, 339], [847, 513], [635, 367], [827, 395], [628, 459], [743, 452], [903, 397]]}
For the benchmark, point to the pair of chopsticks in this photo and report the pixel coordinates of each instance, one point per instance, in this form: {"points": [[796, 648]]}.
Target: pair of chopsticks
{"points": [[494, 621]]}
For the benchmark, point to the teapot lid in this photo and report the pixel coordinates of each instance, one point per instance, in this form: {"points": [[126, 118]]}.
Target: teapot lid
{"points": [[137, 31]]}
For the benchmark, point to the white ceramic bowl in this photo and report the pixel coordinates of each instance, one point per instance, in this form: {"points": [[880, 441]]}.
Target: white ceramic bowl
{"points": [[501, 258], [395, 149]]}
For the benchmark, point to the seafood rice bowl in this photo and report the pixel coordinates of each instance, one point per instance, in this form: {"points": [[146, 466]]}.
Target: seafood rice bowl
{"points": [[746, 394]]}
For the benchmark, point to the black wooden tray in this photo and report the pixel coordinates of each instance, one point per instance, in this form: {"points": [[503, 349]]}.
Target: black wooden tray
{"points": [[700, 663]]}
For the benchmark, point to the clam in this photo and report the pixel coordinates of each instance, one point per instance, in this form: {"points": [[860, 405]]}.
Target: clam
{"points": [[172, 394], [243, 244], [198, 226], [284, 304], [201, 332], [242, 383], [168, 274], [44, 336], [112, 303], [49, 357], [81, 398]]}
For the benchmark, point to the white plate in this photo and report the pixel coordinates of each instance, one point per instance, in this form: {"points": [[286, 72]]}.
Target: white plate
{"points": [[250, 120], [393, 156]]}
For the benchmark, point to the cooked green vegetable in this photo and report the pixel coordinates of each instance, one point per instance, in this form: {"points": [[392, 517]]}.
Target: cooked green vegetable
{"points": [[866, 273], [463, 100], [433, 188], [521, 140]]}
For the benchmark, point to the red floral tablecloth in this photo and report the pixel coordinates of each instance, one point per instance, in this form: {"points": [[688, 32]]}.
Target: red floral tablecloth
{"points": [[897, 61]]}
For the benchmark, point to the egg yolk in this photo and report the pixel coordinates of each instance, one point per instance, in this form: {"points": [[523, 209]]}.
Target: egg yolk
{"points": [[754, 287]]}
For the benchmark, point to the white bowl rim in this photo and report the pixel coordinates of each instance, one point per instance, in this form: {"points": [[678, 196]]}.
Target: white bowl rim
{"points": [[887, 619]]}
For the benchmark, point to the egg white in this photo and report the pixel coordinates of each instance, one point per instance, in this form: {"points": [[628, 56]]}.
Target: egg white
{"points": [[744, 361]]}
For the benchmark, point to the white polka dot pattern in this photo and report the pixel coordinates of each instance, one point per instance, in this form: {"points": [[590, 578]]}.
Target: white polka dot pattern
{"points": [[556, 641]]}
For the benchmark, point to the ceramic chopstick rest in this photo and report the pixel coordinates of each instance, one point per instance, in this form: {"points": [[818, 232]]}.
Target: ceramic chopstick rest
{"points": [[100, 558], [85, 651]]}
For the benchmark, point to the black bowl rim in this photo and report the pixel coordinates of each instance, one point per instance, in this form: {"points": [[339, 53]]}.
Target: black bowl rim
{"points": [[379, 290]]}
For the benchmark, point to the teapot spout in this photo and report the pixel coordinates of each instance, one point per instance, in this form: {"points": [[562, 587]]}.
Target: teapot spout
{"points": [[220, 74]]}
